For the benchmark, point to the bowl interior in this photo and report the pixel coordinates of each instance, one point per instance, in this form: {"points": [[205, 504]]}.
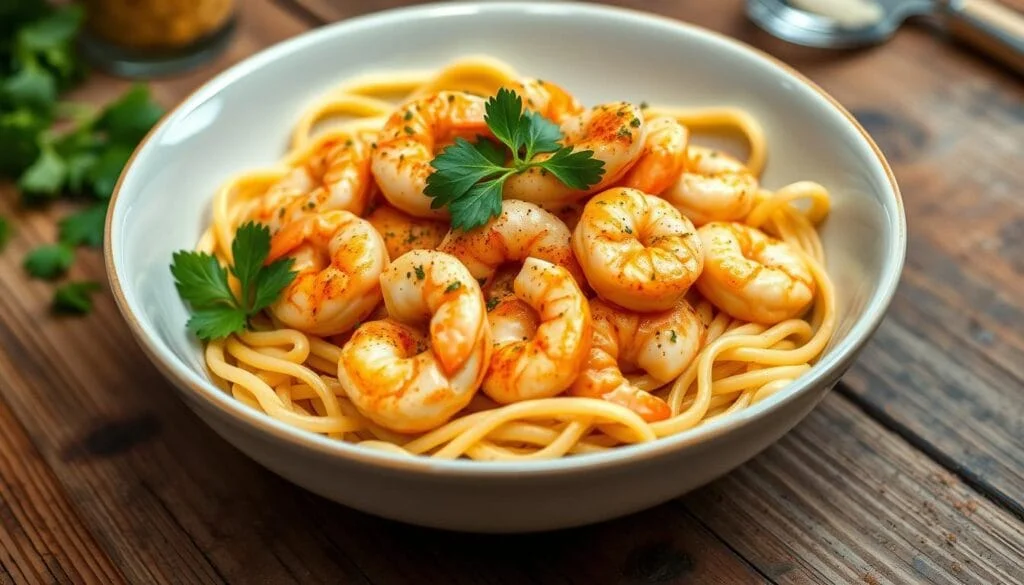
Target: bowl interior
{"points": [[241, 120]]}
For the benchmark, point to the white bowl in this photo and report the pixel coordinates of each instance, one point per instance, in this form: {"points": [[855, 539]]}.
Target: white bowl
{"points": [[241, 119]]}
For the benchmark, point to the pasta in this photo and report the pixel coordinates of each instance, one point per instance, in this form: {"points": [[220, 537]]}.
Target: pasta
{"points": [[293, 376]]}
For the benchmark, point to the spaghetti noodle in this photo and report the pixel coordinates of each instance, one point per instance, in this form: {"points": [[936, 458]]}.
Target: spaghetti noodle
{"points": [[292, 376]]}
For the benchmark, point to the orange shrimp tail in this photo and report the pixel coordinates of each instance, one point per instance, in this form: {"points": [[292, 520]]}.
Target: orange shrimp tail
{"points": [[648, 406]]}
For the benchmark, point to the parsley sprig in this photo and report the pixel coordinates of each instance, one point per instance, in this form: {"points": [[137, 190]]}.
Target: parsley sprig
{"points": [[469, 176], [202, 282]]}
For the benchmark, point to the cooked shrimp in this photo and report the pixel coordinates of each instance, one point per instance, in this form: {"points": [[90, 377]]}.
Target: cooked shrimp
{"points": [[752, 276], [334, 175], [547, 99], [663, 158], [570, 214], [402, 379], [662, 344], [614, 132], [637, 250], [713, 187], [538, 360], [521, 230], [411, 137], [403, 232], [339, 259]]}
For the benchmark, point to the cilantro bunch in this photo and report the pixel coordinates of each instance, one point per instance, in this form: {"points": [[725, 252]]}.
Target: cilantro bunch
{"points": [[202, 282], [468, 176], [83, 161]]}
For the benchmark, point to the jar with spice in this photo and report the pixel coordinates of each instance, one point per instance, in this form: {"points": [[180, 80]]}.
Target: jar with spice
{"points": [[142, 38]]}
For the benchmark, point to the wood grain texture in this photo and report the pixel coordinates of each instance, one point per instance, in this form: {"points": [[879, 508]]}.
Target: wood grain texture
{"points": [[841, 499], [946, 370], [42, 539]]}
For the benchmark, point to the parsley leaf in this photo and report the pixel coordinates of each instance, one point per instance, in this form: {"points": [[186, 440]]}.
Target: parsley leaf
{"points": [[273, 280], [46, 176], [469, 177], [128, 119], [480, 203], [201, 280], [49, 261], [85, 227], [106, 170], [577, 169], [216, 323], [458, 168], [249, 249], [18, 131], [203, 283], [31, 87], [75, 297], [542, 135], [503, 114]]}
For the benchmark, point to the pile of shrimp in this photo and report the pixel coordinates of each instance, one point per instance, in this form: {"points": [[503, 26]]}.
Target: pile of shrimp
{"points": [[671, 292]]}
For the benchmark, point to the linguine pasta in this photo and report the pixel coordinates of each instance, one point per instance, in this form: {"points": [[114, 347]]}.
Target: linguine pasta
{"points": [[292, 376]]}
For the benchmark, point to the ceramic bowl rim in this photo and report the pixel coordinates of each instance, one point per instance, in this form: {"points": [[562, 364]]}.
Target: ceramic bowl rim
{"points": [[825, 373]]}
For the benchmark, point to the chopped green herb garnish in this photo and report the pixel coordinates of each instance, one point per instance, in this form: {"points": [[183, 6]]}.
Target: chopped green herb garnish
{"points": [[453, 287], [420, 274]]}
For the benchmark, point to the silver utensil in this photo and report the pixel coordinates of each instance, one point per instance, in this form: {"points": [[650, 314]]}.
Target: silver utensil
{"points": [[986, 24]]}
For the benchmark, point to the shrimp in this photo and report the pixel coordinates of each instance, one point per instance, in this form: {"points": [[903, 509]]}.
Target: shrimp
{"points": [[407, 381], [403, 232], [334, 175], [636, 250], [713, 187], [547, 99], [520, 231], [339, 259], [411, 136], [541, 358], [662, 161], [662, 344], [752, 276], [614, 132]]}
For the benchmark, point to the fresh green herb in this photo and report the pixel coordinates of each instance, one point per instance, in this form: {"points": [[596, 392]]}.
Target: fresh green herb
{"points": [[635, 122], [85, 227], [468, 177], [49, 261], [52, 149], [673, 337], [408, 115], [491, 303], [419, 272], [75, 297], [453, 287], [202, 282]]}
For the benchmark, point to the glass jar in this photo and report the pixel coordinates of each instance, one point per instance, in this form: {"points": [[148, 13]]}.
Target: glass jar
{"points": [[144, 38]]}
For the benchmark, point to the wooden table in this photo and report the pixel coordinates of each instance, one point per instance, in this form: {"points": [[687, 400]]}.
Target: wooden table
{"points": [[912, 471]]}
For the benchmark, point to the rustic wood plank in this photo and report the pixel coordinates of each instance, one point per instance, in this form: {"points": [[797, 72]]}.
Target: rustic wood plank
{"points": [[842, 500], [170, 501], [952, 124], [42, 539]]}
